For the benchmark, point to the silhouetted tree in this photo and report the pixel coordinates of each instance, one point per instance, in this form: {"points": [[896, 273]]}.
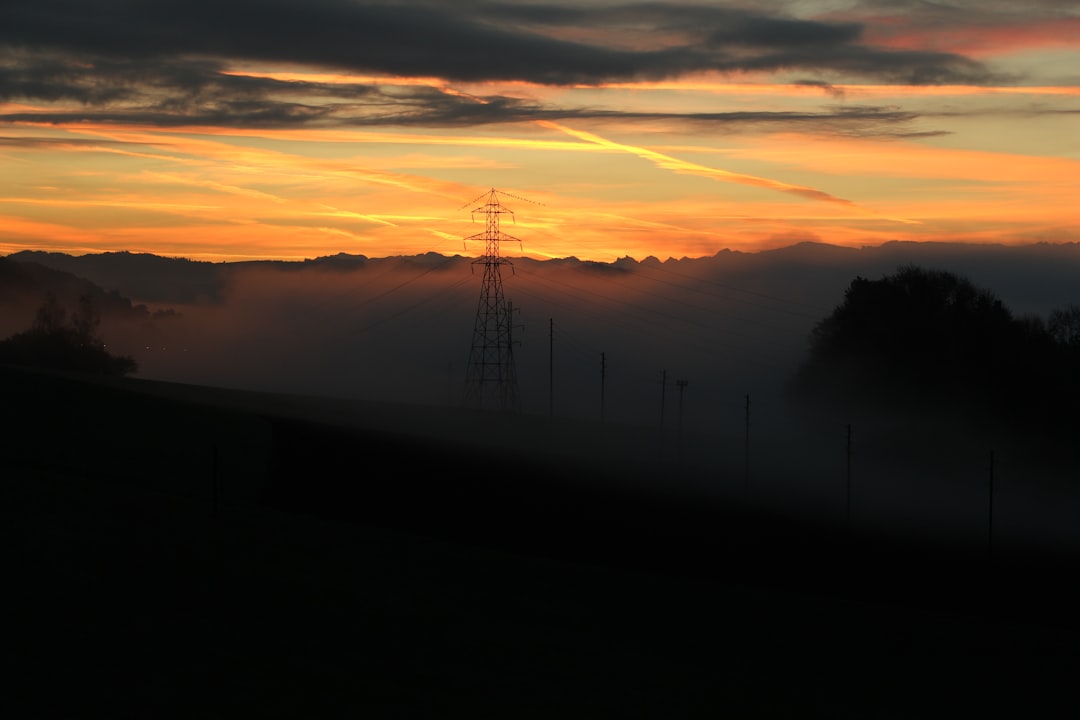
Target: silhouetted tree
{"points": [[86, 320], [53, 342], [1064, 326], [51, 316], [927, 338]]}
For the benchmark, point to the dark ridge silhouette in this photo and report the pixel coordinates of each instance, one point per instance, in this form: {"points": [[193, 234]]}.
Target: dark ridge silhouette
{"points": [[1031, 278], [510, 481], [155, 279], [55, 343], [184, 547], [146, 277], [15, 280], [25, 285]]}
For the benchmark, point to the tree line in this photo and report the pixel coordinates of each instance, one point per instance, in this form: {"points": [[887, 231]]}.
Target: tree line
{"points": [[60, 339]]}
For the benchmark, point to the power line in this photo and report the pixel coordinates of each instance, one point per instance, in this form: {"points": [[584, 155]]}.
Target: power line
{"points": [[668, 317], [775, 298]]}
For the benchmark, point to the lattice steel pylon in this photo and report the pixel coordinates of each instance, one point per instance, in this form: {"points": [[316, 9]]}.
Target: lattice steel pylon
{"points": [[490, 378]]}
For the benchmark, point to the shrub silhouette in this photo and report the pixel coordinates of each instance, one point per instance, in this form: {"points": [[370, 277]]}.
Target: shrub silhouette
{"points": [[56, 343]]}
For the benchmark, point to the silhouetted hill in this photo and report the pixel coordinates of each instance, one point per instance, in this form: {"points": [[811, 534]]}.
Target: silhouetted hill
{"points": [[182, 548], [551, 486], [24, 280], [154, 279], [24, 285], [143, 276]]}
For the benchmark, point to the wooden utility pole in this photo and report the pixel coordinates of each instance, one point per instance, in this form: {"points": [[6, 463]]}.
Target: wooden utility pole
{"points": [[603, 374], [551, 367], [216, 531], [663, 395], [449, 383], [990, 514], [746, 448], [682, 386], [849, 475]]}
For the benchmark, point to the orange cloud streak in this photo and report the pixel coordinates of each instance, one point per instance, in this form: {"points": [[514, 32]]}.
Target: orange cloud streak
{"points": [[674, 164], [975, 41], [899, 158], [700, 83], [869, 90]]}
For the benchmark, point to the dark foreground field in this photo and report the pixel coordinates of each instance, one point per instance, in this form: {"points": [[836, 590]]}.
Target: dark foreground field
{"points": [[188, 552]]}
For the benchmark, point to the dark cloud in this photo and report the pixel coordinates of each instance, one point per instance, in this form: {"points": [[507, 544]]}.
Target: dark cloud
{"points": [[233, 115], [193, 91], [833, 90], [399, 38], [54, 78], [470, 41], [907, 67], [781, 33], [429, 107], [168, 63]]}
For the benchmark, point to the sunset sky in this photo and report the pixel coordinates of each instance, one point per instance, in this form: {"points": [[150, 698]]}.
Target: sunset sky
{"points": [[234, 129]]}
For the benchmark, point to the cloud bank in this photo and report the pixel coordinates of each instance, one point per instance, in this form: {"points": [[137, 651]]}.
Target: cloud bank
{"points": [[182, 63]]}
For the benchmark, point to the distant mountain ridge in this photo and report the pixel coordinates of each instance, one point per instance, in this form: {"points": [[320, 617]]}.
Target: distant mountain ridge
{"points": [[147, 277], [24, 283], [158, 279], [1030, 278]]}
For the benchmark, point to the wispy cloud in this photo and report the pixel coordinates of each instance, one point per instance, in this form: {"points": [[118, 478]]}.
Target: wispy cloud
{"points": [[674, 164]]}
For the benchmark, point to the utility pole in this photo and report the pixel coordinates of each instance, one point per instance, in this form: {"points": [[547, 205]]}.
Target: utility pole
{"points": [[216, 529], [746, 449], [215, 486], [990, 515], [681, 384], [510, 325], [849, 475], [551, 367], [663, 395], [603, 374], [449, 383], [491, 379]]}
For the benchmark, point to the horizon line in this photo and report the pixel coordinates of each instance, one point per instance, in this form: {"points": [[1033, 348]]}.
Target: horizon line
{"points": [[239, 259]]}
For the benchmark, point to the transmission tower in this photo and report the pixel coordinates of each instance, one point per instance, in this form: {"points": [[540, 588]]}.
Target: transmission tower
{"points": [[490, 379]]}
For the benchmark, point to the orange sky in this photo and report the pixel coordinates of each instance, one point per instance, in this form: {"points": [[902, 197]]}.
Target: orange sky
{"points": [[684, 165]]}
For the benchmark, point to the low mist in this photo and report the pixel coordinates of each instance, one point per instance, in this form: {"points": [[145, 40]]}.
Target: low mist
{"points": [[734, 327]]}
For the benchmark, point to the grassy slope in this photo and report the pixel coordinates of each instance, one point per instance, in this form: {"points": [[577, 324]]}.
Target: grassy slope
{"points": [[388, 562]]}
